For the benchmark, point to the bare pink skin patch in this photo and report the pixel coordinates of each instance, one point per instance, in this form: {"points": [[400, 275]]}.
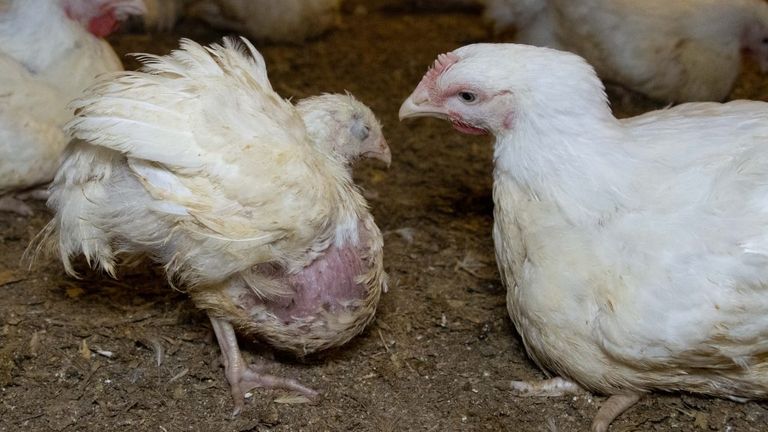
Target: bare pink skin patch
{"points": [[329, 285], [509, 120]]}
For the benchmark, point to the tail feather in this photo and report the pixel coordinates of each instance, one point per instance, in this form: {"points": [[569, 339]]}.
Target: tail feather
{"points": [[77, 194], [42, 244], [134, 111]]}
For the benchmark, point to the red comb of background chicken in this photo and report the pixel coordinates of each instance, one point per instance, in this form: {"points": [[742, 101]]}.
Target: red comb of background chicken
{"points": [[103, 25], [101, 17]]}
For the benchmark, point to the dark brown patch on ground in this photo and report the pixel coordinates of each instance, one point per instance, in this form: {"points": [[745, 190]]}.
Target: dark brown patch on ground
{"points": [[439, 355]]}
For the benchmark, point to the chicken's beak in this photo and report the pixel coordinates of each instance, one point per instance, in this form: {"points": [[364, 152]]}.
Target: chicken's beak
{"points": [[418, 105], [380, 152]]}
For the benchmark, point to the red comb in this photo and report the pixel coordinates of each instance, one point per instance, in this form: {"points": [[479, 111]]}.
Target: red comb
{"points": [[101, 16], [441, 64]]}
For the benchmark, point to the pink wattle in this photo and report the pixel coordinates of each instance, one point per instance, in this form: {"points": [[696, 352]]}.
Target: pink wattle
{"points": [[467, 128], [103, 25]]}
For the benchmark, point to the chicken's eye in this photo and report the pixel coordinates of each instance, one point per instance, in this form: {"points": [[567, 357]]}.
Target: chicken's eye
{"points": [[361, 131], [467, 97]]}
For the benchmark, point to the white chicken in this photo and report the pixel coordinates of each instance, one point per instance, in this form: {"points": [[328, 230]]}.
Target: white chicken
{"points": [[634, 251], [676, 51], [269, 20], [47, 57], [247, 201]]}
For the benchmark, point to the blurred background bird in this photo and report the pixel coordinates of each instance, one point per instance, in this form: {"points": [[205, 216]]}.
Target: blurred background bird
{"points": [[245, 199], [634, 251], [266, 20], [50, 50], [678, 51]]}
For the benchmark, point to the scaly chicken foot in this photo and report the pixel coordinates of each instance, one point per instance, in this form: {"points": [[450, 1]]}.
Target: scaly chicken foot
{"points": [[10, 203], [242, 377], [15, 203], [612, 408], [550, 387], [609, 410], [41, 193]]}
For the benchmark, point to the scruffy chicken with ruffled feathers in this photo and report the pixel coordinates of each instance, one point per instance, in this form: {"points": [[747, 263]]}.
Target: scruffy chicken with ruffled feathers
{"points": [[245, 199], [634, 251]]}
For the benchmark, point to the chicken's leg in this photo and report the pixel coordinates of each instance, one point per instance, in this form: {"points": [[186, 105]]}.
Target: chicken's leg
{"points": [[611, 409], [242, 377]]}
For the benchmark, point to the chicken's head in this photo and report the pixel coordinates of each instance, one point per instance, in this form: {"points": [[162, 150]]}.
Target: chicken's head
{"points": [[101, 17], [490, 88], [345, 126]]}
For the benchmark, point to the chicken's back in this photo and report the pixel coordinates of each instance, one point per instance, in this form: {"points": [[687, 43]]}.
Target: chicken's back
{"points": [[80, 199], [676, 51], [284, 21]]}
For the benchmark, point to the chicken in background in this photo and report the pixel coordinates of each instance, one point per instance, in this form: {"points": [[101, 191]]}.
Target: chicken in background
{"points": [[675, 51], [246, 200], [50, 50], [267, 20], [634, 251]]}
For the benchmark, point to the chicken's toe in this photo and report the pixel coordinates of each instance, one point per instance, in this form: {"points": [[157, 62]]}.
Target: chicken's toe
{"points": [[551, 387], [41, 193], [11, 204], [243, 377], [611, 408]]}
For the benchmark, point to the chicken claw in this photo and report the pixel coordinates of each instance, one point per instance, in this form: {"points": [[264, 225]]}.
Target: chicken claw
{"points": [[242, 377]]}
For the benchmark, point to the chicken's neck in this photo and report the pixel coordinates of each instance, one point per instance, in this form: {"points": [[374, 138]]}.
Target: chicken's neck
{"points": [[579, 164], [349, 204]]}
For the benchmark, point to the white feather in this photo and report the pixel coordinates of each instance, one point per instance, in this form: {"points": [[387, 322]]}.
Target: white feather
{"points": [[684, 50], [197, 162], [634, 251]]}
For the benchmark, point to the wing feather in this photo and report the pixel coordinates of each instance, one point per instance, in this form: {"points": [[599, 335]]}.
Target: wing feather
{"points": [[216, 148]]}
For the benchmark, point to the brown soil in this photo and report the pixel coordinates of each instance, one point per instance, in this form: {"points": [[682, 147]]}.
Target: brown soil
{"points": [[441, 352]]}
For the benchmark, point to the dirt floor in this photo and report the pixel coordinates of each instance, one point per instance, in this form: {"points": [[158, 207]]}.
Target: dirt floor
{"points": [[98, 354]]}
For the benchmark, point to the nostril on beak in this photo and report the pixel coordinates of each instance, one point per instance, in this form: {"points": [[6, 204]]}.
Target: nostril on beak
{"points": [[420, 98]]}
